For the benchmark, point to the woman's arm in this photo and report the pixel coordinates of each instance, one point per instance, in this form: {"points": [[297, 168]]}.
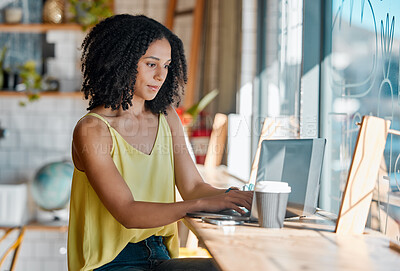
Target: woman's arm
{"points": [[187, 178], [92, 144]]}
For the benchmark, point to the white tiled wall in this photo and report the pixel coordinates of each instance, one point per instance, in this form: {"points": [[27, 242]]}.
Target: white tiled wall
{"points": [[38, 133], [66, 64], [40, 250], [155, 9]]}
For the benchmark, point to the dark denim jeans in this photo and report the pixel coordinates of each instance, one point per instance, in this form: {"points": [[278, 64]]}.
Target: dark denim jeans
{"points": [[151, 254]]}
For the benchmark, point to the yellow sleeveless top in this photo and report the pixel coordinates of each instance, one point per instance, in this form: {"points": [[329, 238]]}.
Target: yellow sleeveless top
{"points": [[95, 237]]}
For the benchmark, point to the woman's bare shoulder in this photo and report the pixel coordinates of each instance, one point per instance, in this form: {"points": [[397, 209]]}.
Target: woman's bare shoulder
{"points": [[91, 129], [173, 118]]}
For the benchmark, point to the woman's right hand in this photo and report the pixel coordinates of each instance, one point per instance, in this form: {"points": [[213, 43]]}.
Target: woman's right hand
{"points": [[234, 199]]}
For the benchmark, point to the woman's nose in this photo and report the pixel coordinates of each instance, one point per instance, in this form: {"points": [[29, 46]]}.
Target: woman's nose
{"points": [[161, 74]]}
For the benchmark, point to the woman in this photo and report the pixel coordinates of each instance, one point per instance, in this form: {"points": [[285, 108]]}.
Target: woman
{"points": [[129, 153]]}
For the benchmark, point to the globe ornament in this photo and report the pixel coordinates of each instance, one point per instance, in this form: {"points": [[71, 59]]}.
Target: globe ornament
{"points": [[51, 186]]}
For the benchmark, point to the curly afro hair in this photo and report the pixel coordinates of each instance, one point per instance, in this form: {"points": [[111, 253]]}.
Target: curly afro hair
{"points": [[111, 52]]}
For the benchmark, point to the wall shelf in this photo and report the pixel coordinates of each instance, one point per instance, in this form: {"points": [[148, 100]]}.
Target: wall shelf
{"points": [[5, 93], [39, 28]]}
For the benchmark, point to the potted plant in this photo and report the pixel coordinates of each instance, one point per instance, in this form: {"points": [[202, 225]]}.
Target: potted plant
{"points": [[31, 81], [89, 12], [188, 117]]}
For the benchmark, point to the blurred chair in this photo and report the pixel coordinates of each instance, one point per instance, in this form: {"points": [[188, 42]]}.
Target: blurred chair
{"points": [[14, 247], [357, 195], [217, 143]]}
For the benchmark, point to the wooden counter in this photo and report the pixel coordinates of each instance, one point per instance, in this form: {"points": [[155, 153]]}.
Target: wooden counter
{"points": [[300, 245]]}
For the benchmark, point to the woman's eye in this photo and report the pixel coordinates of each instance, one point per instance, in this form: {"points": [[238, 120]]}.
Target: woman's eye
{"points": [[151, 65], [166, 66]]}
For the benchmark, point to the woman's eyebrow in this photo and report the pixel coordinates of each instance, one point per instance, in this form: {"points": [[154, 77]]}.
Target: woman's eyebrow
{"points": [[156, 58]]}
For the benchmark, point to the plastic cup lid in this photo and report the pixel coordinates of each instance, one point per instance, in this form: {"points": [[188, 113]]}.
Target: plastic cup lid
{"points": [[273, 187]]}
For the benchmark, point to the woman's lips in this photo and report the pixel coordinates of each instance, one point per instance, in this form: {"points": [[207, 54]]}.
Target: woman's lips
{"points": [[154, 88]]}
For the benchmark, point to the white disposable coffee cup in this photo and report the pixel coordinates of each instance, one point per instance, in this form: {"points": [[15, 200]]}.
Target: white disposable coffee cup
{"points": [[271, 200]]}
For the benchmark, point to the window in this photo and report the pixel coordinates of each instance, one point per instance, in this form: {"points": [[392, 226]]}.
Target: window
{"points": [[360, 77], [277, 91], [325, 64]]}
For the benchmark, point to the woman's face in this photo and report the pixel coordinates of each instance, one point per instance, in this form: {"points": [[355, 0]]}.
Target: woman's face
{"points": [[152, 70]]}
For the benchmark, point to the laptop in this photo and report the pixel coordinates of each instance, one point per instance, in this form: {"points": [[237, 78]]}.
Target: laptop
{"points": [[295, 161]]}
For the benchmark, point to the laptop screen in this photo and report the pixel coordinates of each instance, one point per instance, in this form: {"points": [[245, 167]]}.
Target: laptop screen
{"points": [[297, 162]]}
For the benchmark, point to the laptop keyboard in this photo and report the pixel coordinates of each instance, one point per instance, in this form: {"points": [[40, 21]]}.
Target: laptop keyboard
{"points": [[232, 212]]}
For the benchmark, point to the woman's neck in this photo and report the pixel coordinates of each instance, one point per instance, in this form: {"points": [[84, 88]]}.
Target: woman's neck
{"points": [[137, 109]]}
